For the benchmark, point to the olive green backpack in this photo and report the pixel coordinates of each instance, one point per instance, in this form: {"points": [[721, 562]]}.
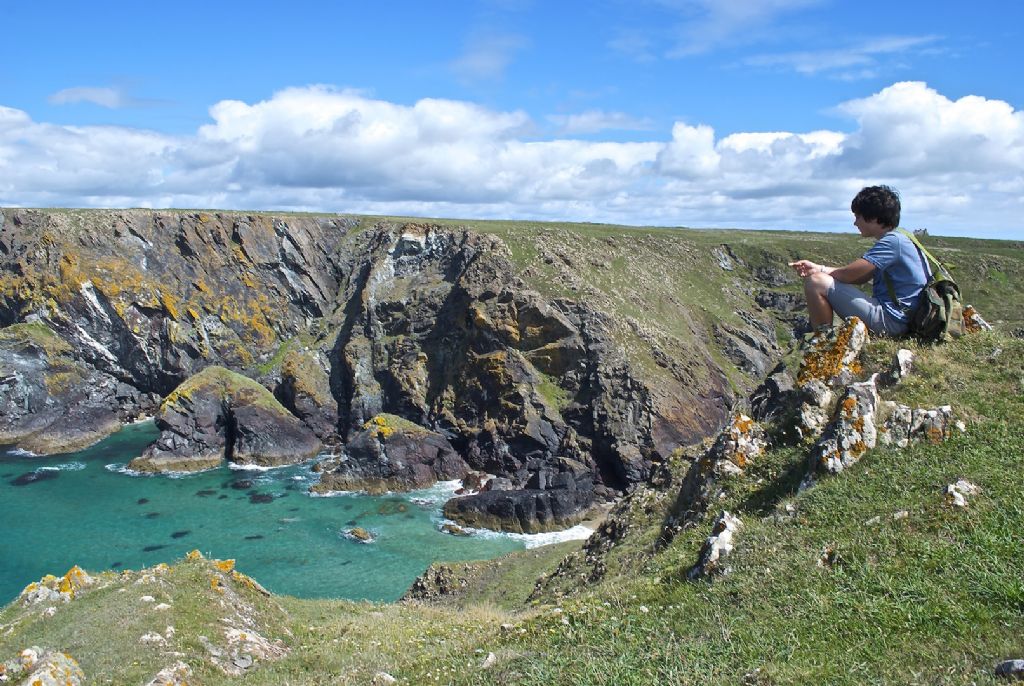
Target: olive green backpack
{"points": [[939, 312]]}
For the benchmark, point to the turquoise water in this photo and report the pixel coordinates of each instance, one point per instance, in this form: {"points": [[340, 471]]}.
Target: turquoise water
{"points": [[82, 508]]}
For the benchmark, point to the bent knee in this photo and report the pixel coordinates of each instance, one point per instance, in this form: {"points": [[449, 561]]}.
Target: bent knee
{"points": [[818, 282]]}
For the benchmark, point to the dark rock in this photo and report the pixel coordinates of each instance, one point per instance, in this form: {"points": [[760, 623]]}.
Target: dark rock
{"points": [[775, 396], [254, 537], [242, 484], [218, 414], [180, 534], [49, 401], [525, 511], [142, 501], [392, 454], [153, 548], [258, 498], [1012, 670], [32, 477]]}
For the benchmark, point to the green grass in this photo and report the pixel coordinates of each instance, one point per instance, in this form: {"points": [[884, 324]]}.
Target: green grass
{"points": [[935, 596]]}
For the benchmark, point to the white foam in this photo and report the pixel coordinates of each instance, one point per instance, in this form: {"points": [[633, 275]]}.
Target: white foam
{"points": [[21, 452], [66, 467], [333, 494], [120, 468], [576, 533]]}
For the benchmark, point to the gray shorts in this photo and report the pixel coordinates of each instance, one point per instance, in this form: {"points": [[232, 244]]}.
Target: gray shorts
{"points": [[847, 300]]}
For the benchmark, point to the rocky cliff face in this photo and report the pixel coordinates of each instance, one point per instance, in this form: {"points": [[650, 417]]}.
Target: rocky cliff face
{"points": [[344, 323]]}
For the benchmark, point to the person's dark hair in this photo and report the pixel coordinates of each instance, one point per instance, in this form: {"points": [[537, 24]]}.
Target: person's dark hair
{"points": [[878, 203]]}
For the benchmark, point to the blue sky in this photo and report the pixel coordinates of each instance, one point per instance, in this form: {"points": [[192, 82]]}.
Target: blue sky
{"points": [[745, 113]]}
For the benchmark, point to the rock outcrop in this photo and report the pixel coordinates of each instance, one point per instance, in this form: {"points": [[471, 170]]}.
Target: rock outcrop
{"points": [[392, 454], [344, 321], [218, 415]]}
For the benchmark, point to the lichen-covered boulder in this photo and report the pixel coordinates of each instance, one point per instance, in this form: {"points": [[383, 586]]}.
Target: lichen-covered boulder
{"points": [[37, 666], [218, 414], [851, 433], [392, 454], [830, 363], [901, 424]]}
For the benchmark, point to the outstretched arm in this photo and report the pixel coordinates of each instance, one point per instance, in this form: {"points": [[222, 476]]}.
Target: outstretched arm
{"points": [[858, 271]]}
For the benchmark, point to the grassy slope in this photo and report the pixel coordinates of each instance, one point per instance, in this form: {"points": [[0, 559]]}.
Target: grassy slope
{"points": [[934, 597]]}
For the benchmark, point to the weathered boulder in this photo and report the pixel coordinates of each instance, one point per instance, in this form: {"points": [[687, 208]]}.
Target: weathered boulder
{"points": [[717, 548], [901, 424], [218, 415], [392, 454], [37, 666], [851, 433]]}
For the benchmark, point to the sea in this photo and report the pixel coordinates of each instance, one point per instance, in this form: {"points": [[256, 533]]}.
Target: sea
{"points": [[87, 509]]}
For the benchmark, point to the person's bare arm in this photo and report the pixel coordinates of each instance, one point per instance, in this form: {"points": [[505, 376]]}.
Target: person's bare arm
{"points": [[858, 271]]}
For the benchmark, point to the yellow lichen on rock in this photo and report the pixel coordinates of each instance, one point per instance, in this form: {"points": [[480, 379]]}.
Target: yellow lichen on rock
{"points": [[75, 579], [194, 555], [224, 565]]}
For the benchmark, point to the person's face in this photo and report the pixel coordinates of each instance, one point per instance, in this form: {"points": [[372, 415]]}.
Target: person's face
{"points": [[869, 228]]}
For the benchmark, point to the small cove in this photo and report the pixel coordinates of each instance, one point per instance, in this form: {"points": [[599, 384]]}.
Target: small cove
{"points": [[83, 508]]}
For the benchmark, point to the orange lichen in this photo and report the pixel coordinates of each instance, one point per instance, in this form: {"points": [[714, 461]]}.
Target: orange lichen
{"points": [[224, 565], [194, 555], [170, 304], [217, 584], [825, 360]]}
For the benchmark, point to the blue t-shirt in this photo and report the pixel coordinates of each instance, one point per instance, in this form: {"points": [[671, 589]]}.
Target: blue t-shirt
{"points": [[897, 256]]}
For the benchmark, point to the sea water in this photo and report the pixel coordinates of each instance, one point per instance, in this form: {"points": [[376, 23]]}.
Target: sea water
{"points": [[86, 508]]}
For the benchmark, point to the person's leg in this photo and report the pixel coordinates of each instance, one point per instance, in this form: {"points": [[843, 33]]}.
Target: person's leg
{"points": [[816, 288], [848, 300]]}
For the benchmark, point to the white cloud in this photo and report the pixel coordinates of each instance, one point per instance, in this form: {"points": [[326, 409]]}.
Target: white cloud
{"points": [[112, 98], [852, 62], [958, 163], [595, 121], [710, 24], [487, 56]]}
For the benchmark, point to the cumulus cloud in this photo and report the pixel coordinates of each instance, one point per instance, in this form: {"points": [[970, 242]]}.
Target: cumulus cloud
{"points": [[959, 163]]}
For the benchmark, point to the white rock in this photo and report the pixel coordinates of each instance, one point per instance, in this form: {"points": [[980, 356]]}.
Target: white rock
{"points": [[489, 661], [162, 607], [147, 599], [153, 638], [382, 678]]}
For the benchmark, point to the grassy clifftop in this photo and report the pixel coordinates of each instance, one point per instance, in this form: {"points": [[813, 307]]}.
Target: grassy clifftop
{"points": [[869, 577]]}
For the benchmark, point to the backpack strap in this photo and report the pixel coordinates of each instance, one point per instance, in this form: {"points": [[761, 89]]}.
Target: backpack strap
{"points": [[941, 268]]}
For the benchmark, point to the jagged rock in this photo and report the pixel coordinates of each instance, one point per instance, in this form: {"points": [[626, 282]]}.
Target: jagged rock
{"points": [[383, 679], [305, 390], [716, 548], [833, 354], [437, 581], [50, 402], [973, 321], [815, 408], [178, 674], [524, 510], [392, 454], [851, 433], [37, 666], [901, 366], [735, 447], [776, 394], [1012, 670], [219, 415], [51, 588], [901, 424], [358, 534], [956, 494]]}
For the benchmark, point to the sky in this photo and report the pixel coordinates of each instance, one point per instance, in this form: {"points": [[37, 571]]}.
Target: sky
{"points": [[762, 114]]}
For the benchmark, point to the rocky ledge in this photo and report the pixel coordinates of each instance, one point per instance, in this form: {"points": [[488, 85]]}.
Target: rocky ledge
{"points": [[392, 454], [218, 415]]}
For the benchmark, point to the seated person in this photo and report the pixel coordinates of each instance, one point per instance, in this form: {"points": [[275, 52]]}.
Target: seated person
{"points": [[876, 211]]}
